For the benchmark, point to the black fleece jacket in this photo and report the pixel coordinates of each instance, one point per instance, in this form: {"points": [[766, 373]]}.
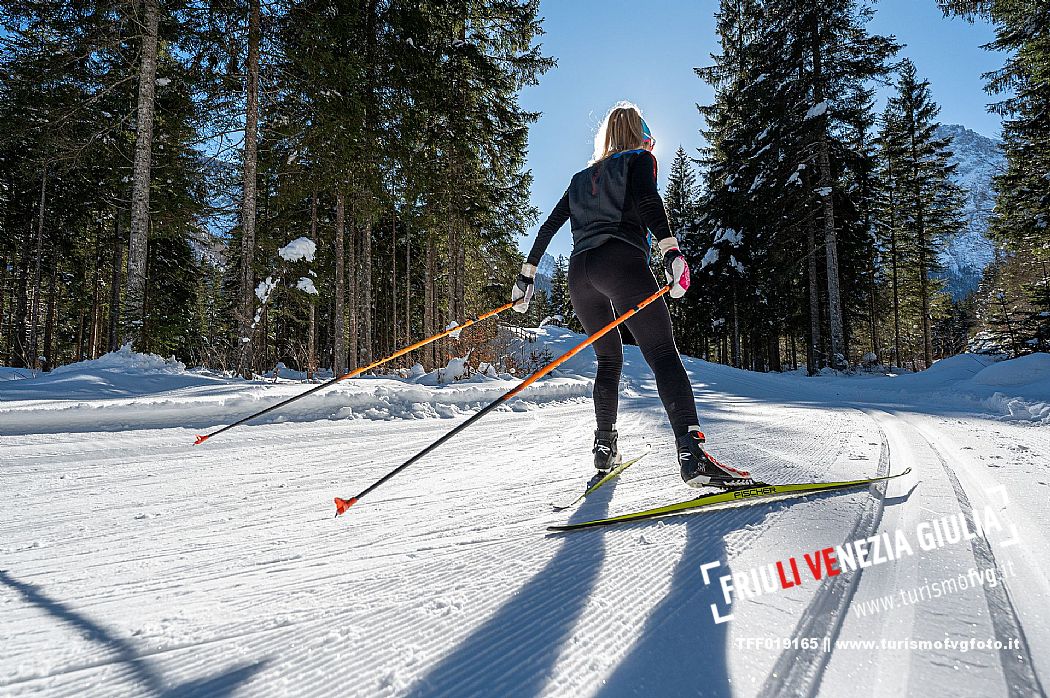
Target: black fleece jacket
{"points": [[639, 203]]}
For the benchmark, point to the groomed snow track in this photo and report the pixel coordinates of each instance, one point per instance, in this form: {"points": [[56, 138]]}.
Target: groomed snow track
{"points": [[134, 564]]}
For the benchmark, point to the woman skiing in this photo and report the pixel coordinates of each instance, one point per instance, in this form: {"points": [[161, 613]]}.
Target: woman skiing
{"points": [[611, 203]]}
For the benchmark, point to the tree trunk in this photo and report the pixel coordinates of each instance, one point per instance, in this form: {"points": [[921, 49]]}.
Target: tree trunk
{"points": [[352, 295], [135, 308], [394, 317], [813, 362], [461, 279], [96, 295], [114, 287], [408, 285], [920, 232], [838, 348], [3, 299], [49, 323], [430, 303], [251, 134], [339, 319], [78, 348], [736, 330], [872, 291], [38, 255], [365, 342], [311, 333], [451, 272], [19, 343]]}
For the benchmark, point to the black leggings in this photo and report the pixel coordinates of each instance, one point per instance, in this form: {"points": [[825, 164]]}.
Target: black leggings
{"points": [[608, 280]]}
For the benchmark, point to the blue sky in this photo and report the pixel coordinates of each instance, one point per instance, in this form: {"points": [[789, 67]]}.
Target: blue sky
{"points": [[609, 50]]}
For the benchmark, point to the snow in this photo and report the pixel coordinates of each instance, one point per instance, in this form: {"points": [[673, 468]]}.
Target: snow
{"points": [[264, 289], [12, 374], [816, 110], [135, 563], [729, 235], [306, 284], [298, 249], [454, 370]]}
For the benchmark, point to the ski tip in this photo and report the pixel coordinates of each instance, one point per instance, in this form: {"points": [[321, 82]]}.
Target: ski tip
{"points": [[201, 438], [341, 505]]}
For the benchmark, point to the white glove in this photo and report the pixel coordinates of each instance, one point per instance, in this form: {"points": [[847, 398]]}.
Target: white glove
{"points": [[676, 269], [524, 288]]}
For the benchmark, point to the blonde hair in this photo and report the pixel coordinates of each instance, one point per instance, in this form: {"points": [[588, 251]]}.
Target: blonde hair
{"points": [[621, 129]]}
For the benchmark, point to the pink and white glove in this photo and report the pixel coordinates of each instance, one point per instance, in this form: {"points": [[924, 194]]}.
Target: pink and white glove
{"points": [[676, 269]]}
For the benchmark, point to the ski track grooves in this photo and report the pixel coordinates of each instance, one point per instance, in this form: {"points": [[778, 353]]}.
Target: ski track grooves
{"points": [[798, 672], [1021, 679]]}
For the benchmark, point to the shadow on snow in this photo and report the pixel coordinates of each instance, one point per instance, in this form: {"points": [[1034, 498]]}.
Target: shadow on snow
{"points": [[142, 672], [514, 652]]}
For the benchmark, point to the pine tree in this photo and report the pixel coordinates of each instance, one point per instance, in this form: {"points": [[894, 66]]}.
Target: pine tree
{"points": [[680, 199], [783, 210], [682, 203], [560, 303], [928, 205], [1015, 290], [1022, 212]]}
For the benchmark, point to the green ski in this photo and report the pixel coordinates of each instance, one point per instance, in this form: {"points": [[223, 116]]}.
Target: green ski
{"points": [[611, 475], [743, 494]]}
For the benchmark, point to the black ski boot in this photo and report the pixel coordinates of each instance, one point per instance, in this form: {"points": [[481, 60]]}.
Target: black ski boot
{"points": [[699, 469], [606, 454]]}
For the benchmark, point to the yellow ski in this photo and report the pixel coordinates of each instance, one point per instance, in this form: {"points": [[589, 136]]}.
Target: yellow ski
{"points": [[735, 496]]}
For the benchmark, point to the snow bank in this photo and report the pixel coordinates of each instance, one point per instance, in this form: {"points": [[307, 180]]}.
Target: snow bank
{"points": [[1026, 370], [13, 374], [127, 390], [126, 362], [1017, 389], [122, 373]]}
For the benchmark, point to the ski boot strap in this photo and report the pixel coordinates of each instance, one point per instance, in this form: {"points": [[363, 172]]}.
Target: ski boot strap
{"points": [[606, 436], [694, 430]]}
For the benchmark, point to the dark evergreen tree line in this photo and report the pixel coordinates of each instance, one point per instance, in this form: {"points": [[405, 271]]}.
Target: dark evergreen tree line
{"points": [[156, 156], [817, 225], [1012, 306]]}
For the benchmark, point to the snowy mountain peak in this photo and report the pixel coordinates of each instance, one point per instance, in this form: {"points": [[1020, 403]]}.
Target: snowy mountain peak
{"points": [[544, 273], [979, 158]]}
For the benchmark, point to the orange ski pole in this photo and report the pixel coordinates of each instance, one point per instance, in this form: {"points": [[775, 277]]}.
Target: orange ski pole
{"points": [[201, 438], [341, 505]]}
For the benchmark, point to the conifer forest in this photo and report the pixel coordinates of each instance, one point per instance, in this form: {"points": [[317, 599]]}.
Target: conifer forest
{"points": [[317, 184]]}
